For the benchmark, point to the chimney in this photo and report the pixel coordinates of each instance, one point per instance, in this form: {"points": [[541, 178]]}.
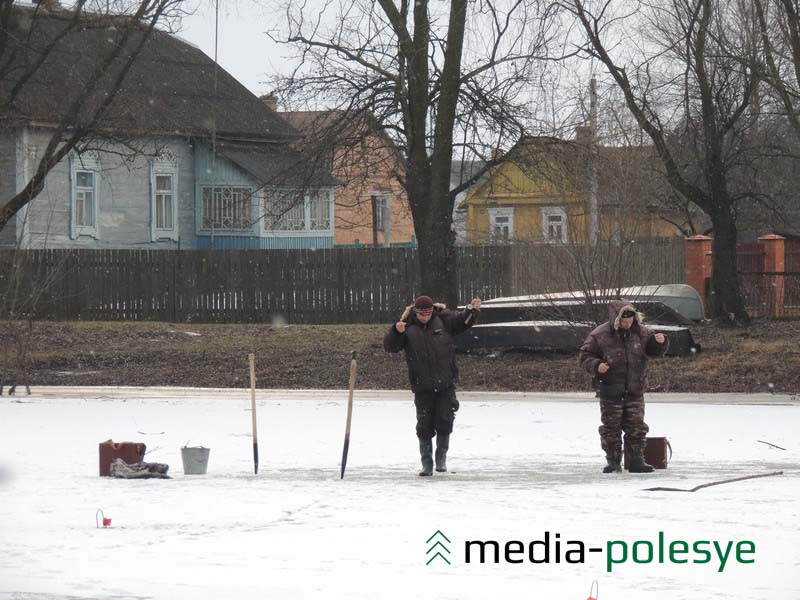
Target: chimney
{"points": [[271, 100]]}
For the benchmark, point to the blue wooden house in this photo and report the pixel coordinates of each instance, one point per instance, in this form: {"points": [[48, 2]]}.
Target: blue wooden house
{"points": [[187, 157]]}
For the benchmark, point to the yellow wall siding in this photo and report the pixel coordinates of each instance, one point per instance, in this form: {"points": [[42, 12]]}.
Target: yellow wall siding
{"points": [[477, 225], [527, 222], [529, 190], [510, 180]]}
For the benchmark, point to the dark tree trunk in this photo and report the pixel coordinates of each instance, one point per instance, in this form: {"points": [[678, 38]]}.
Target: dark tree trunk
{"points": [[430, 196], [437, 258], [724, 301], [717, 119]]}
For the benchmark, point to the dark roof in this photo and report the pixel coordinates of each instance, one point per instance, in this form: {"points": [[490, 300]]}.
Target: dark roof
{"points": [[326, 132], [275, 164], [169, 89], [338, 127], [462, 170]]}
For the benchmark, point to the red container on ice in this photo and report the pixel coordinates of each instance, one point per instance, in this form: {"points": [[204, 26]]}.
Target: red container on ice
{"points": [[129, 452], [657, 452]]}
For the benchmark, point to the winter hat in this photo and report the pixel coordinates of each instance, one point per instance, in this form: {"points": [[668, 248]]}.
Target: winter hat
{"points": [[423, 303], [628, 308]]}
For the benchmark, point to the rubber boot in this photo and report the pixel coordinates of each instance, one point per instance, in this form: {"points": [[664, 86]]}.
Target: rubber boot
{"points": [[637, 464], [426, 454], [613, 458], [442, 444]]}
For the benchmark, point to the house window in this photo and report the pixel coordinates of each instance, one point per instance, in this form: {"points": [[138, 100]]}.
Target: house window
{"points": [[554, 224], [501, 224], [381, 207], [84, 199], [320, 210], [294, 210], [226, 207], [163, 200], [84, 176], [285, 211]]}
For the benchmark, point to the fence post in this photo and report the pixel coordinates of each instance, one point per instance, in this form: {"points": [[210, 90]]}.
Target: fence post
{"points": [[173, 296], [774, 247], [698, 263]]}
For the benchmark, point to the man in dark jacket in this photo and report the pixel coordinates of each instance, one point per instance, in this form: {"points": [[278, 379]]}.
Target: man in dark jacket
{"points": [[425, 332], [616, 353]]}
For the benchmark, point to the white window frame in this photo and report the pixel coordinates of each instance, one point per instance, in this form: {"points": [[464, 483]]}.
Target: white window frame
{"points": [[162, 168], [494, 213], [383, 205], [215, 188], [309, 226], [554, 211], [293, 218], [314, 199], [83, 164]]}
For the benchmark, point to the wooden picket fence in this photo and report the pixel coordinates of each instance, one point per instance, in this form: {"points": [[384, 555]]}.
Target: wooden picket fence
{"points": [[243, 286]]}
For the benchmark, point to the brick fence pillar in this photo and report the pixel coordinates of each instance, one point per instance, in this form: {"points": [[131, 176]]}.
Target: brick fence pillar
{"points": [[774, 247], [698, 263]]}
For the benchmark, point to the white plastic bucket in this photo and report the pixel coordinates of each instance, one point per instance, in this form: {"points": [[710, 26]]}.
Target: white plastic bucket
{"points": [[195, 460]]}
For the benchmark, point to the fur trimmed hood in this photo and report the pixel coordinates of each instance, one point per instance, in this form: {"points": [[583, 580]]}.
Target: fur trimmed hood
{"points": [[409, 311], [617, 307]]}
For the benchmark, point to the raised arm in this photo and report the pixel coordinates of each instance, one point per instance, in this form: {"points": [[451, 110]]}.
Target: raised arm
{"points": [[395, 339], [458, 321]]}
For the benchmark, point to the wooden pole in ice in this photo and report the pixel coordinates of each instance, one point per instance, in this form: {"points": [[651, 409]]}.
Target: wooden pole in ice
{"points": [[253, 409]]}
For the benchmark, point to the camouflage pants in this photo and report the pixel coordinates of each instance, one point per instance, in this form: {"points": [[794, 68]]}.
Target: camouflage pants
{"points": [[617, 416], [436, 412]]}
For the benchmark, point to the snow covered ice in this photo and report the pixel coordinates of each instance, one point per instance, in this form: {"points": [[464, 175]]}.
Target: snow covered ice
{"points": [[522, 465]]}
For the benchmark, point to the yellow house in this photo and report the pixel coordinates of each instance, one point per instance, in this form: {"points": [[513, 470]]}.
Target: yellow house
{"points": [[543, 190]]}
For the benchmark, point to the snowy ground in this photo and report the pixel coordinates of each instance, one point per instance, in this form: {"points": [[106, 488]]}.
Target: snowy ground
{"points": [[522, 466]]}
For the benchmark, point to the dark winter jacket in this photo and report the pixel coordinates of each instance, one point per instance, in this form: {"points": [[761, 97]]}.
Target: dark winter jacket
{"points": [[624, 351], [429, 348]]}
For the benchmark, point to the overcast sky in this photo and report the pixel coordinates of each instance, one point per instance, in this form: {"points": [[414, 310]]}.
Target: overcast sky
{"points": [[244, 49]]}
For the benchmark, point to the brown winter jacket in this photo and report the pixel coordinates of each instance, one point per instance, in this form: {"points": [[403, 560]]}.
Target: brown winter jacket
{"points": [[625, 352], [429, 350]]}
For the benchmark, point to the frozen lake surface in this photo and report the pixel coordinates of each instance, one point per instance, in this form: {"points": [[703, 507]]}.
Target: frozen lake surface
{"points": [[522, 465]]}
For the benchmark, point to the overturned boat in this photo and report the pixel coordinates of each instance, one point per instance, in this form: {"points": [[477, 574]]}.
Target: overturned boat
{"points": [[677, 297], [562, 321], [557, 335]]}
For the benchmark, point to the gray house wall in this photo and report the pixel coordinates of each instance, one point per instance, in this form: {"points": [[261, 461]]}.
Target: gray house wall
{"points": [[123, 190], [8, 181], [123, 197]]}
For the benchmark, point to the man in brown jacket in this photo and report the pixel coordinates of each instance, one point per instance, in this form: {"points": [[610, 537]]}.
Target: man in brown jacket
{"points": [[616, 354], [425, 333]]}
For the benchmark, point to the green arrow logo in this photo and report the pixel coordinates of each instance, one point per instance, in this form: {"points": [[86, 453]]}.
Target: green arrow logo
{"points": [[438, 546]]}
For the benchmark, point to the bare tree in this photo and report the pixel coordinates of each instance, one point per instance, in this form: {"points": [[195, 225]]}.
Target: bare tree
{"points": [[441, 79], [779, 29], [35, 41], [563, 260], [29, 283], [684, 81], [364, 161]]}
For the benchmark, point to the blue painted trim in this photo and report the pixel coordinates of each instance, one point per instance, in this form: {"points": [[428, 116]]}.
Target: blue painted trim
{"points": [[363, 246], [237, 242]]}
